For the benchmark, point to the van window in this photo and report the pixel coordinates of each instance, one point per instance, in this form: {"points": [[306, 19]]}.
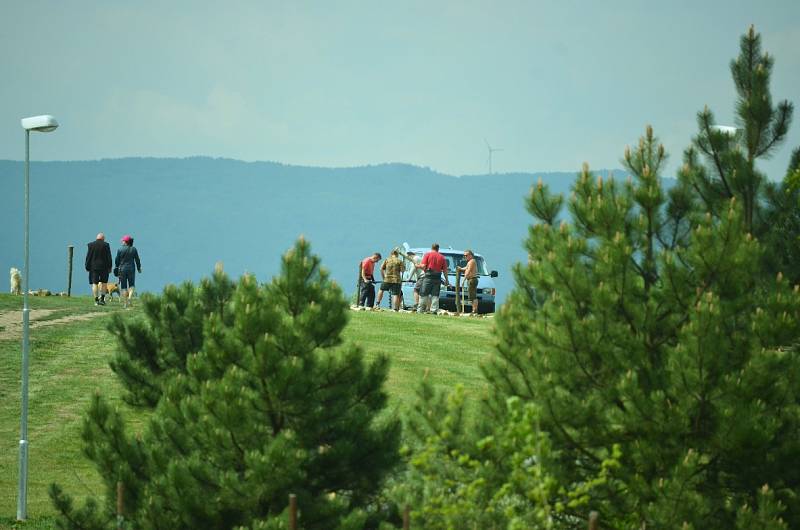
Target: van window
{"points": [[458, 260]]}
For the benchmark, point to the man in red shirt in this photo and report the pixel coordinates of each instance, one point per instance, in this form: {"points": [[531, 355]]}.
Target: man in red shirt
{"points": [[434, 264], [366, 280]]}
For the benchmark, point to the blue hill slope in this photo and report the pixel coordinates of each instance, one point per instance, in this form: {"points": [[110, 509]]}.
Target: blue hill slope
{"points": [[187, 214]]}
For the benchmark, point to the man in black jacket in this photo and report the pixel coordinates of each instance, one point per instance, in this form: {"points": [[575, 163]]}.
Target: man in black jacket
{"points": [[98, 265]]}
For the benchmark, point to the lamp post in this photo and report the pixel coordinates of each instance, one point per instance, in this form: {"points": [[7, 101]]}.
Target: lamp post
{"points": [[41, 124]]}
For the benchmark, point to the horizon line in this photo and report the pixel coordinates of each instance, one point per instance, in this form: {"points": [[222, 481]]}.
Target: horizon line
{"points": [[339, 168]]}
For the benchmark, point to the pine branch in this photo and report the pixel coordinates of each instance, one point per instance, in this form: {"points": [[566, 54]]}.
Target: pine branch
{"points": [[780, 128], [717, 161], [563, 432]]}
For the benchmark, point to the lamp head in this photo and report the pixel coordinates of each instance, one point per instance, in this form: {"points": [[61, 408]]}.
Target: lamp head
{"points": [[724, 129], [44, 123]]}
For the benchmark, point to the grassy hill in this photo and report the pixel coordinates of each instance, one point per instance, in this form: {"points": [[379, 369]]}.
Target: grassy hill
{"points": [[69, 360]]}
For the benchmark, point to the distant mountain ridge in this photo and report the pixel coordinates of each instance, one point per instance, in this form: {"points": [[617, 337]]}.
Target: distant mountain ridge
{"points": [[188, 213]]}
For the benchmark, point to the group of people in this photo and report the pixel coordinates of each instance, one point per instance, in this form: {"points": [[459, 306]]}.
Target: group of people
{"points": [[125, 265], [427, 273]]}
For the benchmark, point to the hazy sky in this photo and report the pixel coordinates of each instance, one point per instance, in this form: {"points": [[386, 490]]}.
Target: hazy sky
{"points": [[341, 83]]}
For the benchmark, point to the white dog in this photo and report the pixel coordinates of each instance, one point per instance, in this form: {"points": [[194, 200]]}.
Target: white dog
{"points": [[16, 281]]}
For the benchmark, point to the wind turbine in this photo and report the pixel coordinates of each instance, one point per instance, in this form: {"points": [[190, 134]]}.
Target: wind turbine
{"points": [[491, 150]]}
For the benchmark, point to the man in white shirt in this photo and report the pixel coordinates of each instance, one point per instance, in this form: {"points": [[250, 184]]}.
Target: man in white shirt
{"points": [[415, 275]]}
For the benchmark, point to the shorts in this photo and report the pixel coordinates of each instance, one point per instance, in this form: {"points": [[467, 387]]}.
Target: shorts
{"points": [[393, 288], [127, 279], [472, 289], [98, 277], [418, 285]]}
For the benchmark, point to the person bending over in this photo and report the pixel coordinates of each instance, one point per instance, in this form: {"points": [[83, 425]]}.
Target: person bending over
{"points": [[366, 283], [392, 273]]}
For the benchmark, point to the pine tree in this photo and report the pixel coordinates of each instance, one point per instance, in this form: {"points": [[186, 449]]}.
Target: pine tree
{"points": [[782, 238], [730, 158], [254, 396], [458, 477], [659, 321], [155, 349], [642, 323]]}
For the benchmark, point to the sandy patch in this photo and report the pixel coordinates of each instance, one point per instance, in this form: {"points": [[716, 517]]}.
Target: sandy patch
{"points": [[11, 321]]}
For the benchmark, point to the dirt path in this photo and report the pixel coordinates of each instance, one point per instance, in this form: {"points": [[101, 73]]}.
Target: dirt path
{"points": [[11, 321]]}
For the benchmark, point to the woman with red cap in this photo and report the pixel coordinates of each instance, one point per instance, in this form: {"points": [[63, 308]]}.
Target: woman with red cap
{"points": [[127, 258]]}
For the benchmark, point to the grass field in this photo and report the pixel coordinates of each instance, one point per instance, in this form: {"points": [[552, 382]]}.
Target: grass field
{"points": [[69, 360]]}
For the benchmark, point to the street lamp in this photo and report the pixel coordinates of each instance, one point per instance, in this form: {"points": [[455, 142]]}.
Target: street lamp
{"points": [[44, 123]]}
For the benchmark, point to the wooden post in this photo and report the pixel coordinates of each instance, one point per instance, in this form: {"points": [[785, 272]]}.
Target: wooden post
{"points": [[461, 289], [406, 518], [594, 518], [458, 291], [358, 284], [70, 251], [292, 511], [120, 503]]}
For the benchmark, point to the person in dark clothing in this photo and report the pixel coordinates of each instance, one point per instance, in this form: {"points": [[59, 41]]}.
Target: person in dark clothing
{"points": [[98, 265], [127, 263], [366, 278]]}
